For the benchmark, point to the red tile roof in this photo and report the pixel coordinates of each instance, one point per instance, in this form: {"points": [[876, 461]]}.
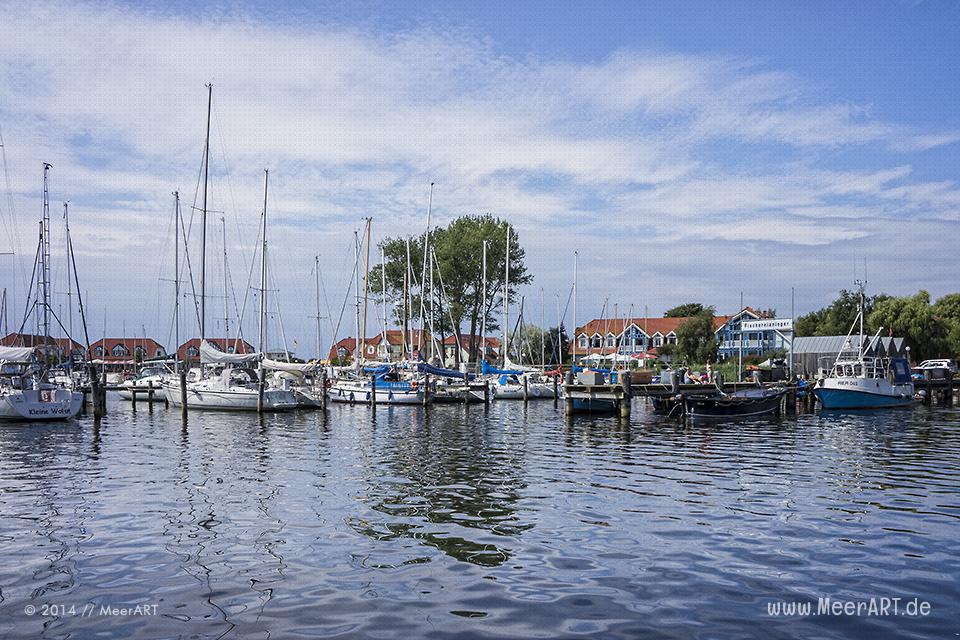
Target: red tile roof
{"points": [[149, 346], [31, 340]]}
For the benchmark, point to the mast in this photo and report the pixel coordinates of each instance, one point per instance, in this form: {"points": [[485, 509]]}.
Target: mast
{"points": [[407, 304], [203, 224], [483, 309], [45, 255], [543, 348], [263, 269], [366, 284], [506, 301], [66, 222], [559, 334], [226, 311], [316, 261], [176, 279], [423, 273], [573, 363], [860, 284], [383, 297], [356, 284], [433, 335]]}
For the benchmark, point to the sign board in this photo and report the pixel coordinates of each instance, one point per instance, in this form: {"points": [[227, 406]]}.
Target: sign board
{"points": [[773, 324]]}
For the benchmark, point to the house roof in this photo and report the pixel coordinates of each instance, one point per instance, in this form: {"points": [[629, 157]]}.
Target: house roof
{"points": [[148, 344], [33, 340], [222, 343], [833, 344], [650, 326], [451, 340]]}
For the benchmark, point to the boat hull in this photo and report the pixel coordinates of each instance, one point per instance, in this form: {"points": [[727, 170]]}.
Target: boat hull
{"points": [[359, 394], [733, 406], [142, 389], [40, 405], [859, 399], [535, 391], [232, 399]]}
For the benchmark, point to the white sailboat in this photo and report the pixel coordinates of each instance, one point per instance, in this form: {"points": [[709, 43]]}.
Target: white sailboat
{"points": [[227, 381], [26, 390]]}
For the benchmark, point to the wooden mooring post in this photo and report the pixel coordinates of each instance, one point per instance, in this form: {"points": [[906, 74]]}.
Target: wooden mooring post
{"points": [[426, 390], [373, 392], [626, 401], [556, 389], [568, 402], [183, 394]]}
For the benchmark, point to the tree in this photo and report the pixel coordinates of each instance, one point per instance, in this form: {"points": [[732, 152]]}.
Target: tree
{"points": [[836, 319], [457, 295], [947, 309], [552, 346], [696, 341], [913, 318], [687, 310]]}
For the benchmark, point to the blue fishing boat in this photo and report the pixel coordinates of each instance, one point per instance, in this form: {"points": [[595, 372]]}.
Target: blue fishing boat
{"points": [[857, 381]]}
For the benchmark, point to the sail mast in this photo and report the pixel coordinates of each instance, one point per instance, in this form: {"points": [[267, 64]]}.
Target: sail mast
{"points": [[573, 362], [383, 284], [366, 284], [316, 261], [423, 273], [203, 222], [356, 286], [45, 255], [226, 311], [176, 279], [483, 308], [506, 302], [263, 268]]}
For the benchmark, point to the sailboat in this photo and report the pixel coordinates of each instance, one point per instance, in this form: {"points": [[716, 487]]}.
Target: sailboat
{"points": [[857, 381], [26, 391], [513, 381], [229, 381]]}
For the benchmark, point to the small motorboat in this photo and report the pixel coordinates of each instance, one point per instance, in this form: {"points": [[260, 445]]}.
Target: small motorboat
{"points": [[740, 404]]}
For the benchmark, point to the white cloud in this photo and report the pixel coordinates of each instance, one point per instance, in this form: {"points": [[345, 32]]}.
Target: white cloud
{"points": [[634, 158]]}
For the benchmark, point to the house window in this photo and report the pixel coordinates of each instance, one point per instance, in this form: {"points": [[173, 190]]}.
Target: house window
{"points": [[98, 351], [193, 352], [140, 352], [119, 351], [231, 349], [583, 342], [611, 340], [597, 342], [671, 339], [342, 352], [657, 341], [159, 353]]}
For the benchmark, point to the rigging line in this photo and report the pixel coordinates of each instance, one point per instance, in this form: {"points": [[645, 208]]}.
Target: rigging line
{"points": [[186, 254], [228, 176], [443, 296], [246, 293], [33, 276], [343, 308], [18, 244]]}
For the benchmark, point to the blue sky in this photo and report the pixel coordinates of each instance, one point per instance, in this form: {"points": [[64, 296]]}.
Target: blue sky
{"points": [[688, 151]]}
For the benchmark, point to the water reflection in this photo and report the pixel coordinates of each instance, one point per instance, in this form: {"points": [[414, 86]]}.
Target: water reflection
{"points": [[505, 521], [452, 487]]}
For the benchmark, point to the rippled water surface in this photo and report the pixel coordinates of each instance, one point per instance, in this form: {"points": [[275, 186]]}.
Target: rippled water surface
{"points": [[461, 521]]}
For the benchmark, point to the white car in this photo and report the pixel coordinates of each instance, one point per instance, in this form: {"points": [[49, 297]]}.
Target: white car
{"points": [[939, 364]]}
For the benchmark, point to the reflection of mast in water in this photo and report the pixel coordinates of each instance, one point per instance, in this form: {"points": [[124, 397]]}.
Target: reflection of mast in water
{"points": [[469, 483], [186, 527]]}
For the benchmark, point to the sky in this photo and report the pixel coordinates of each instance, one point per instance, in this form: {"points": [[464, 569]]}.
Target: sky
{"points": [[686, 151]]}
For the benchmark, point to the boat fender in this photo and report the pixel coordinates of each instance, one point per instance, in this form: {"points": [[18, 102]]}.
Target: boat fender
{"points": [[367, 396], [390, 396], [536, 391], [352, 399]]}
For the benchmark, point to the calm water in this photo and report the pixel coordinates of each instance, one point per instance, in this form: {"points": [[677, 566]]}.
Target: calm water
{"points": [[461, 522]]}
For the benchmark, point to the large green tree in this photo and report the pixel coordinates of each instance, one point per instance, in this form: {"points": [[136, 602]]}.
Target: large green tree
{"points": [[913, 318], [456, 301], [686, 310], [947, 309], [837, 318], [696, 341]]}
